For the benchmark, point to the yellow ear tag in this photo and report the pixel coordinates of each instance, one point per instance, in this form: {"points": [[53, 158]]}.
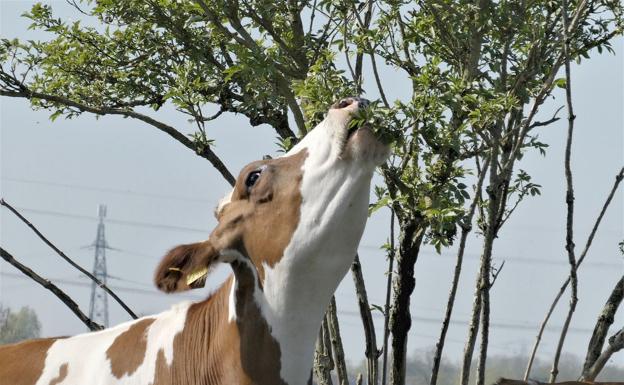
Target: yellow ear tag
{"points": [[196, 275]]}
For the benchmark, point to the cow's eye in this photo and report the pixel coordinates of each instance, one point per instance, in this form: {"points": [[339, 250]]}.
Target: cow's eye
{"points": [[252, 178]]}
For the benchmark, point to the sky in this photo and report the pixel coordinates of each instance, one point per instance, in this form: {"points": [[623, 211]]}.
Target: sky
{"points": [[160, 194]]}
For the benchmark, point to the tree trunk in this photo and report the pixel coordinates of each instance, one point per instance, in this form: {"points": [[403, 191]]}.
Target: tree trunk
{"points": [[336, 342], [605, 319], [616, 343], [410, 241], [322, 358]]}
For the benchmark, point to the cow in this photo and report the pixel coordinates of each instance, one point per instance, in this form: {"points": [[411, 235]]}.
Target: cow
{"points": [[289, 229]]}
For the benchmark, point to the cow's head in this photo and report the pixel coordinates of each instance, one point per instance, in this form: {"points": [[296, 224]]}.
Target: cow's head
{"points": [[306, 210]]}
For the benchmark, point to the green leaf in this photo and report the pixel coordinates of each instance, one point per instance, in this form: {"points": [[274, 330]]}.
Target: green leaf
{"points": [[383, 202], [560, 82]]}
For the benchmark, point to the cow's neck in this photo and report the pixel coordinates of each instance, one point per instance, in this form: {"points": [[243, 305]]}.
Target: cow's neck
{"points": [[298, 288], [295, 313]]}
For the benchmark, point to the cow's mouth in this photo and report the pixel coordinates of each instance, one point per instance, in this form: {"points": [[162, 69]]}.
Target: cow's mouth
{"points": [[352, 130]]}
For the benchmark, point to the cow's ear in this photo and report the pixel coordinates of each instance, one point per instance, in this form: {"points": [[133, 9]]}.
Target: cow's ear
{"points": [[186, 267]]}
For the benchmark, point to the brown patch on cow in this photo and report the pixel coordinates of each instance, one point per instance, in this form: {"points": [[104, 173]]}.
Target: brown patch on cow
{"points": [[276, 199], [23, 363], [206, 351], [62, 374], [127, 351], [212, 350], [260, 353]]}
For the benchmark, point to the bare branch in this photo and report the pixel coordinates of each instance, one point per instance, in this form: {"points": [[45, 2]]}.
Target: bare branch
{"points": [[390, 272], [336, 343], [605, 320], [367, 321], [204, 152], [547, 122], [53, 288], [466, 229], [569, 197], [618, 179], [378, 80], [616, 343], [546, 87], [69, 260]]}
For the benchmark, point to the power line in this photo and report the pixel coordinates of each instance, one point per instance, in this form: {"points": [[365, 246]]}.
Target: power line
{"points": [[525, 260], [115, 221], [346, 313], [108, 190], [127, 289], [499, 325]]}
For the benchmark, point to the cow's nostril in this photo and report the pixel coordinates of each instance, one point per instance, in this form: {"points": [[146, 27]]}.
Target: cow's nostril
{"points": [[345, 102]]}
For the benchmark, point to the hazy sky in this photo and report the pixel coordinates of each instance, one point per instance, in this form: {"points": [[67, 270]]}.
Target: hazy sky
{"points": [[160, 194]]}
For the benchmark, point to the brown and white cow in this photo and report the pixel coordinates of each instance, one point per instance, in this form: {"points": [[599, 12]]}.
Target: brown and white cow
{"points": [[289, 230]]}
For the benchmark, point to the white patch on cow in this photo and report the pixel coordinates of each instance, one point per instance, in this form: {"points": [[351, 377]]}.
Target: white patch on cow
{"points": [[222, 203], [86, 357], [232, 301], [335, 195], [229, 256]]}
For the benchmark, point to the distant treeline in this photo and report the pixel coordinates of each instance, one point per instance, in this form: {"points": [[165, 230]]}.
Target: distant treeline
{"points": [[509, 366]]}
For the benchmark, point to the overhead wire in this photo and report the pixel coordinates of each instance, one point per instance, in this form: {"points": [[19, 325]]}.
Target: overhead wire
{"points": [[347, 313], [108, 190]]}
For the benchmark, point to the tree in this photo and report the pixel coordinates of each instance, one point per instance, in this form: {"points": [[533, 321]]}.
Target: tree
{"points": [[475, 91], [18, 326]]}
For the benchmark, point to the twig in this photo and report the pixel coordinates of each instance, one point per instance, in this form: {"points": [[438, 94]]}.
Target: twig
{"points": [[546, 88], [312, 17], [466, 228], [390, 273], [67, 259], [569, 197], [618, 179], [336, 343], [53, 288], [496, 272], [355, 78], [378, 80], [372, 354], [554, 118], [496, 192]]}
